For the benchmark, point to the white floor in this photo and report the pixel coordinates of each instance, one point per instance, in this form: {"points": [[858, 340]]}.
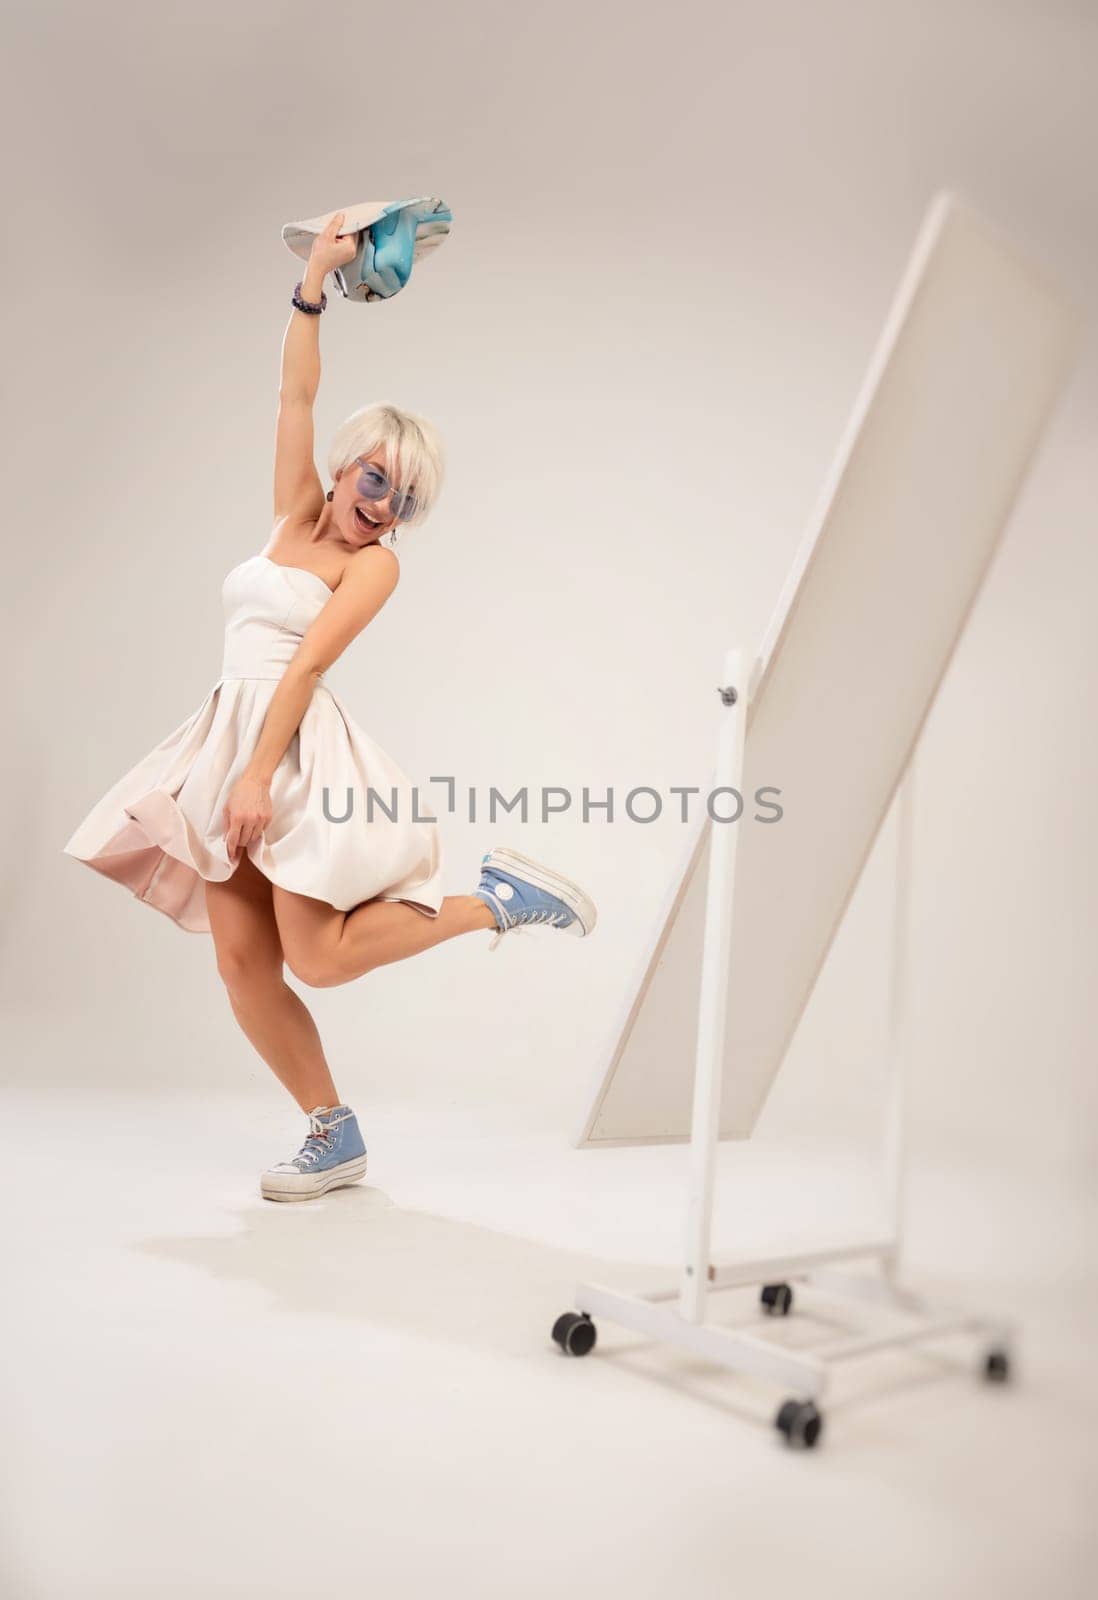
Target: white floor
{"points": [[207, 1394]]}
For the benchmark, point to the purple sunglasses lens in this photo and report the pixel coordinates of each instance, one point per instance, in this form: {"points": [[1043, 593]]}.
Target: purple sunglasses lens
{"points": [[374, 485]]}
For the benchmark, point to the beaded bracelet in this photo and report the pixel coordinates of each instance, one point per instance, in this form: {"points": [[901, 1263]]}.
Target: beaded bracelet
{"points": [[308, 305]]}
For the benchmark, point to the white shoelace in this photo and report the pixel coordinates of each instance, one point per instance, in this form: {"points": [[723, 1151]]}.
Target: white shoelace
{"points": [[321, 1131], [509, 924]]}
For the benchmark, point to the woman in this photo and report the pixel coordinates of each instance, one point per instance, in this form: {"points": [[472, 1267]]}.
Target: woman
{"points": [[269, 819]]}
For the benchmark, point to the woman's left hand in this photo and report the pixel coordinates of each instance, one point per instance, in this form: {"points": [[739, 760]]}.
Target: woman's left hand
{"points": [[328, 250], [247, 812]]}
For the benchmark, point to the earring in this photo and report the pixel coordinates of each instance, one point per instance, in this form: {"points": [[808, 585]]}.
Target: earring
{"points": [[330, 493]]}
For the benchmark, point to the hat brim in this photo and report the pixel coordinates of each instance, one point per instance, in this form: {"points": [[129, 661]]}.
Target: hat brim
{"points": [[299, 236]]}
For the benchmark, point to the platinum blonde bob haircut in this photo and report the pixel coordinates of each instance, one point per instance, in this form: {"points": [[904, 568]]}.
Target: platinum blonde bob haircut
{"points": [[413, 457]]}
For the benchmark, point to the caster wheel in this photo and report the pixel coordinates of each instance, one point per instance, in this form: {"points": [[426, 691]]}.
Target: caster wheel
{"points": [[800, 1424], [776, 1299], [575, 1333], [997, 1366]]}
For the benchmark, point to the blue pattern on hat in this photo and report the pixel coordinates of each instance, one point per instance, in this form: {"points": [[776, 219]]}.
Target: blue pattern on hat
{"points": [[388, 248]]}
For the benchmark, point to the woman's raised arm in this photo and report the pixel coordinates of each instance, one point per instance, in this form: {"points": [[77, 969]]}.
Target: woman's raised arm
{"points": [[296, 481]]}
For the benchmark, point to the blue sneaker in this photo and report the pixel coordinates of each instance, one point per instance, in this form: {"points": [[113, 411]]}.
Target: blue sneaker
{"points": [[521, 893], [333, 1154]]}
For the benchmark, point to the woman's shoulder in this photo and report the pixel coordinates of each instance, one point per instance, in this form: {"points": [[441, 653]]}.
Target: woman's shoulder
{"points": [[373, 559]]}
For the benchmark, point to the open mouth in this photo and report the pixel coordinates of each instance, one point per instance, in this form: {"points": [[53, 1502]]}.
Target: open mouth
{"points": [[367, 524]]}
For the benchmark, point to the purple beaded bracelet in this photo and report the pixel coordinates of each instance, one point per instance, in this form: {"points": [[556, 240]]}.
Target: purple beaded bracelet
{"points": [[308, 305]]}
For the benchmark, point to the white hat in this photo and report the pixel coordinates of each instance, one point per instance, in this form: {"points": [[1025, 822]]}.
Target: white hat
{"points": [[393, 235]]}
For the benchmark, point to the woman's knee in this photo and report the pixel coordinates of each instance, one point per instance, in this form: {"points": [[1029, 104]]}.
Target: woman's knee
{"points": [[320, 968], [243, 969]]}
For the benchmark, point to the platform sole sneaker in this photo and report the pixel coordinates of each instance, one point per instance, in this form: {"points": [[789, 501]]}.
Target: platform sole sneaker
{"points": [[579, 903], [308, 1185]]}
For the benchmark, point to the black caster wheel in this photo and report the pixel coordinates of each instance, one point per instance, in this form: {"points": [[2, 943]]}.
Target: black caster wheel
{"points": [[800, 1424], [575, 1333], [997, 1366], [776, 1299]]}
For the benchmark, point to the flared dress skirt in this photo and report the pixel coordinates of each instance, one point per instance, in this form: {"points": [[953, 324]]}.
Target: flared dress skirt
{"points": [[347, 825]]}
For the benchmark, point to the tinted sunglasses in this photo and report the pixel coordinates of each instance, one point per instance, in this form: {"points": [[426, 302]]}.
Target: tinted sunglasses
{"points": [[374, 485]]}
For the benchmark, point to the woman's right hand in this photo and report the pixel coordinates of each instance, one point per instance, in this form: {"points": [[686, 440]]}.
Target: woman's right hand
{"points": [[247, 812], [328, 251]]}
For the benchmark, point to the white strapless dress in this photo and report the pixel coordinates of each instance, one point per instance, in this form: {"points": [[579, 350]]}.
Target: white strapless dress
{"points": [[160, 830]]}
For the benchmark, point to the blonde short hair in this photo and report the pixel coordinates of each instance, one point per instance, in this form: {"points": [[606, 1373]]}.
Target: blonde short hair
{"points": [[413, 451]]}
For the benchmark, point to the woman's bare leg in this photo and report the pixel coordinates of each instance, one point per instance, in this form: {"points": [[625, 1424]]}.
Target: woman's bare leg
{"points": [[324, 947], [250, 961]]}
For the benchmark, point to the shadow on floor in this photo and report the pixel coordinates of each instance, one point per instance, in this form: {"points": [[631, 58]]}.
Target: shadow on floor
{"points": [[354, 1254]]}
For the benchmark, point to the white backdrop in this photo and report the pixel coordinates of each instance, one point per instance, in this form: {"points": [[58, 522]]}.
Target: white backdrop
{"points": [[672, 250]]}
